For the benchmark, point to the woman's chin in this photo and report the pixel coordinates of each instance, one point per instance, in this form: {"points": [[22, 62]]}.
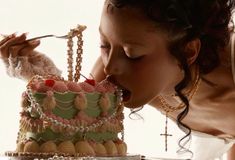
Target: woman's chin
{"points": [[132, 104], [131, 101]]}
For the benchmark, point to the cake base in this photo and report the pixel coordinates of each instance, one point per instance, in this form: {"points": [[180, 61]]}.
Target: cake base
{"points": [[60, 156]]}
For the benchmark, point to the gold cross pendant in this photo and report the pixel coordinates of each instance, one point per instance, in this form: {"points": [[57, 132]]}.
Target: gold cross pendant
{"points": [[166, 135]]}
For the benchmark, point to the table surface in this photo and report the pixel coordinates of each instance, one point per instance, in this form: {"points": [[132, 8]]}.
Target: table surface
{"points": [[137, 157], [58, 157]]}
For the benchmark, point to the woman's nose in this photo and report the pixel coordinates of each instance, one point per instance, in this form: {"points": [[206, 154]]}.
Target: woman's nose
{"points": [[112, 68], [113, 65]]}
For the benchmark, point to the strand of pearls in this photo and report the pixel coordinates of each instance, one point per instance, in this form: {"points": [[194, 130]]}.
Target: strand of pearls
{"points": [[36, 108]]}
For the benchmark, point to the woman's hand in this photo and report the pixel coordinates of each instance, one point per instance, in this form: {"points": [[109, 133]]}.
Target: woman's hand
{"points": [[14, 46], [22, 61]]}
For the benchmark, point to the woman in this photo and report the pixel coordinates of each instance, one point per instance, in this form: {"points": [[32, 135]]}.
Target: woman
{"points": [[175, 55]]}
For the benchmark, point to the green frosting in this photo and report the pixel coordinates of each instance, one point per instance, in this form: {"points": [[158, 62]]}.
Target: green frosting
{"points": [[66, 109], [48, 135], [68, 96]]}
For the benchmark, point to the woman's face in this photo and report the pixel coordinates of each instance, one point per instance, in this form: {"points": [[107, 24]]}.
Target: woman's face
{"points": [[135, 53]]}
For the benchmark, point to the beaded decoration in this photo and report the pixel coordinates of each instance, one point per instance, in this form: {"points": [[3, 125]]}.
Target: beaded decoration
{"points": [[76, 32]]}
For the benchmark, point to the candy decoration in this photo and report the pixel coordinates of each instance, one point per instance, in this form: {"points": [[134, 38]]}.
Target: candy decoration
{"points": [[49, 82], [90, 81]]}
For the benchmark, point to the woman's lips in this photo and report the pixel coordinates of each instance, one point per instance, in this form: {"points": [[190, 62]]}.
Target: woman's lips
{"points": [[126, 94]]}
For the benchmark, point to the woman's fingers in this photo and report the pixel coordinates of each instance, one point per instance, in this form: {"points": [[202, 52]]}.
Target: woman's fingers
{"points": [[15, 40], [3, 50], [16, 46], [5, 38], [10, 41], [25, 51]]}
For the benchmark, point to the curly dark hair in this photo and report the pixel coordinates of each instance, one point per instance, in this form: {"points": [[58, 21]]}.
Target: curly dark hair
{"points": [[185, 20]]}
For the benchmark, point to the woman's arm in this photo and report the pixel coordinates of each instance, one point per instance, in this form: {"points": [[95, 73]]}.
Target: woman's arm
{"points": [[231, 153], [22, 61]]}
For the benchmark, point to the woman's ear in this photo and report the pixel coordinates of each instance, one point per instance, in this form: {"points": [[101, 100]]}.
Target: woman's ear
{"points": [[192, 50]]}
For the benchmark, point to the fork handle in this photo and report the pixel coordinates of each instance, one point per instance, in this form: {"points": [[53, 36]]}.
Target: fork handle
{"points": [[40, 37]]}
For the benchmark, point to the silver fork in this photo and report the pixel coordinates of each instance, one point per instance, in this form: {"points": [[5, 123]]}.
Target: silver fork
{"points": [[46, 36]]}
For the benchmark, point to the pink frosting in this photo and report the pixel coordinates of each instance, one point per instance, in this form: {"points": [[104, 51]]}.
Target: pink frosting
{"points": [[41, 87], [87, 87], [100, 88], [109, 87], [74, 87], [60, 86]]}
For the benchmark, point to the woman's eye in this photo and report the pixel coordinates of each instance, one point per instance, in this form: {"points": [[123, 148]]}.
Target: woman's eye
{"points": [[132, 57], [105, 48]]}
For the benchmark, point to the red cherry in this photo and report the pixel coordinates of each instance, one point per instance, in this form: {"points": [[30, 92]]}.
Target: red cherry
{"points": [[49, 82], [90, 81]]}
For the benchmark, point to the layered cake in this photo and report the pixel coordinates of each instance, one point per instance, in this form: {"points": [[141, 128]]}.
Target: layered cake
{"points": [[70, 118]]}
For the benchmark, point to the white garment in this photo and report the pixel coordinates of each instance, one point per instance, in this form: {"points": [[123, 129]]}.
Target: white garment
{"points": [[25, 67], [209, 147]]}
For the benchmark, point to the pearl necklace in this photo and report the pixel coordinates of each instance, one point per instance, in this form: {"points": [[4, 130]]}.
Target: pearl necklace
{"points": [[37, 109]]}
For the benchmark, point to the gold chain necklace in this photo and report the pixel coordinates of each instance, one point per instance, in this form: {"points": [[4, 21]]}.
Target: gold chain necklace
{"points": [[168, 108], [78, 33]]}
